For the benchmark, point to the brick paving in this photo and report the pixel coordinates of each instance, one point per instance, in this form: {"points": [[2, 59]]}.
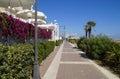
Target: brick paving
{"points": [[71, 63], [72, 57], [74, 65], [78, 71], [68, 50]]}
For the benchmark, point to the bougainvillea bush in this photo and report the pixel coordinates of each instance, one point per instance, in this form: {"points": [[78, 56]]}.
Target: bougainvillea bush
{"points": [[17, 30]]}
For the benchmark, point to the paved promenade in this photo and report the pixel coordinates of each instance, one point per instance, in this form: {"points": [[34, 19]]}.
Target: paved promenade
{"points": [[70, 63]]}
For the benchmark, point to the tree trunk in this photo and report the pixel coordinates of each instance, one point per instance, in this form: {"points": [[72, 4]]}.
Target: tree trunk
{"points": [[86, 34], [89, 31]]}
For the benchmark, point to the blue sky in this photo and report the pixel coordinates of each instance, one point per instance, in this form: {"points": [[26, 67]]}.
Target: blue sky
{"points": [[74, 14]]}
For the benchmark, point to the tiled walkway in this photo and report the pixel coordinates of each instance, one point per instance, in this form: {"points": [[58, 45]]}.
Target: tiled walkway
{"points": [[69, 63], [74, 65]]}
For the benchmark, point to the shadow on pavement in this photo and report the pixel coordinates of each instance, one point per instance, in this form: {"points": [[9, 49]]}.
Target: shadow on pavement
{"points": [[83, 55], [76, 49]]}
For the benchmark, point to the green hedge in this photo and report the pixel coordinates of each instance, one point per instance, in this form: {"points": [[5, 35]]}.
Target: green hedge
{"points": [[73, 40], [112, 57], [16, 62], [58, 42], [48, 48], [82, 43], [102, 48]]}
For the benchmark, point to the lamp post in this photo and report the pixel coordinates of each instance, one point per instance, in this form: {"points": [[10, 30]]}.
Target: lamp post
{"points": [[64, 34], [36, 74]]}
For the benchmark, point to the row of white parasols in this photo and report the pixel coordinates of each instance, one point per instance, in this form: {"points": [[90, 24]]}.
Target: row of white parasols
{"points": [[22, 9]]}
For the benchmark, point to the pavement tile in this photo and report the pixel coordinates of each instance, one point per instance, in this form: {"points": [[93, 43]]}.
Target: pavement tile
{"points": [[74, 64], [72, 57], [65, 46], [68, 50], [78, 71]]}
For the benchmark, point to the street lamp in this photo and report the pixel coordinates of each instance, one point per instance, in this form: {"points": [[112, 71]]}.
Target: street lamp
{"points": [[36, 70], [64, 35]]}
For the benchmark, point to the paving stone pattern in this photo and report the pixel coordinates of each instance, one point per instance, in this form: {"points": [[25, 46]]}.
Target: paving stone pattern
{"points": [[75, 65], [70, 63]]}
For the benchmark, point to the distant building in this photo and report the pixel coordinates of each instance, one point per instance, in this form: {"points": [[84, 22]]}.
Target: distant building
{"points": [[54, 28]]}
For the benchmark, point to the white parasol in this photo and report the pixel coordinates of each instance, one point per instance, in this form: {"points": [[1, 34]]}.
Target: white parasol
{"points": [[39, 21], [24, 14], [26, 4]]}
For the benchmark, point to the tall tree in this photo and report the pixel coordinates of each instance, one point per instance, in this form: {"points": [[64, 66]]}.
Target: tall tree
{"points": [[90, 24], [86, 31]]}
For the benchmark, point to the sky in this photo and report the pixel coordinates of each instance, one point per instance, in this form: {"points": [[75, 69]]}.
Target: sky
{"points": [[74, 14]]}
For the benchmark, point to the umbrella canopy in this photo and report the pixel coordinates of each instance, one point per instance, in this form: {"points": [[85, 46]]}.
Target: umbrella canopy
{"points": [[39, 21], [2, 9], [26, 4], [24, 14], [46, 26]]}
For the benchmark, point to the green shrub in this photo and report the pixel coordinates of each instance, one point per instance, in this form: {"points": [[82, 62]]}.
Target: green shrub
{"points": [[95, 47], [58, 42], [41, 53], [102, 48], [44, 49], [98, 46], [83, 44], [16, 61], [112, 58], [74, 41], [80, 43], [49, 47]]}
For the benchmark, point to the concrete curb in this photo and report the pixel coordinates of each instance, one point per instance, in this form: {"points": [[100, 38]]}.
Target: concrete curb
{"points": [[51, 73], [107, 73]]}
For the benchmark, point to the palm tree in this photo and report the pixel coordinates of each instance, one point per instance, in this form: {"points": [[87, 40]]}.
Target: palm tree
{"points": [[86, 31], [90, 24]]}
